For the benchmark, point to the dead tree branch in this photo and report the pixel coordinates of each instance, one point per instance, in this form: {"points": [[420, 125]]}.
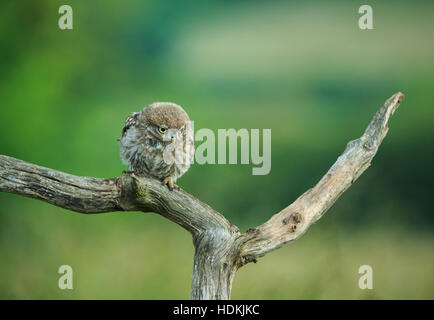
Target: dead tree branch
{"points": [[220, 250]]}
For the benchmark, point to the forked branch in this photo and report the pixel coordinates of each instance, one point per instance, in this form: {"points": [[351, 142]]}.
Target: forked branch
{"points": [[220, 248], [290, 223]]}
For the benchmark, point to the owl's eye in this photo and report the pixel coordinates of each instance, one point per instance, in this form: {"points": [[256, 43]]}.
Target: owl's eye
{"points": [[162, 130]]}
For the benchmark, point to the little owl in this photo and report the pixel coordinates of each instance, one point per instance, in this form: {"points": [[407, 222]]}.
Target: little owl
{"points": [[158, 142]]}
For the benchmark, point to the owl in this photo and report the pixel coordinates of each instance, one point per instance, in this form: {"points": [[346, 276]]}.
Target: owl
{"points": [[158, 142]]}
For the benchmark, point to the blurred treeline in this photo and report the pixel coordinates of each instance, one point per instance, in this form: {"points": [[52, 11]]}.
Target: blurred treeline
{"points": [[303, 69]]}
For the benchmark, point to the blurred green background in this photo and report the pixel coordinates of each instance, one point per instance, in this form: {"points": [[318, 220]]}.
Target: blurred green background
{"points": [[303, 69]]}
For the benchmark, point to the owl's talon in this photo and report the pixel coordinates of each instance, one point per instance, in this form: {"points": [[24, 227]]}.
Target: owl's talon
{"points": [[169, 182]]}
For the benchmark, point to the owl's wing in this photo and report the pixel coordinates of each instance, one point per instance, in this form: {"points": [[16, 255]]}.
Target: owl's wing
{"points": [[130, 121]]}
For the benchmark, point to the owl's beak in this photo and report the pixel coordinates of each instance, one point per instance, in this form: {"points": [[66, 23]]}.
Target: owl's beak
{"points": [[172, 139]]}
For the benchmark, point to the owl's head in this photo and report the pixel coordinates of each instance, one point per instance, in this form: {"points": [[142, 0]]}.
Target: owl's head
{"points": [[166, 121]]}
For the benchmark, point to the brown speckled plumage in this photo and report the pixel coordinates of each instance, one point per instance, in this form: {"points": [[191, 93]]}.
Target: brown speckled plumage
{"points": [[158, 142]]}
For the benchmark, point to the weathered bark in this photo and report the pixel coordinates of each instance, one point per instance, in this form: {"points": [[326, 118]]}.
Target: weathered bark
{"points": [[220, 249]]}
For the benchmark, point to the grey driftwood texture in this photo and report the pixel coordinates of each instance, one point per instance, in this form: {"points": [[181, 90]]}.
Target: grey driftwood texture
{"points": [[220, 249]]}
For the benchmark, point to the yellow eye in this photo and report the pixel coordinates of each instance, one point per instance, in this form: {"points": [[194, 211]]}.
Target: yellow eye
{"points": [[162, 130]]}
